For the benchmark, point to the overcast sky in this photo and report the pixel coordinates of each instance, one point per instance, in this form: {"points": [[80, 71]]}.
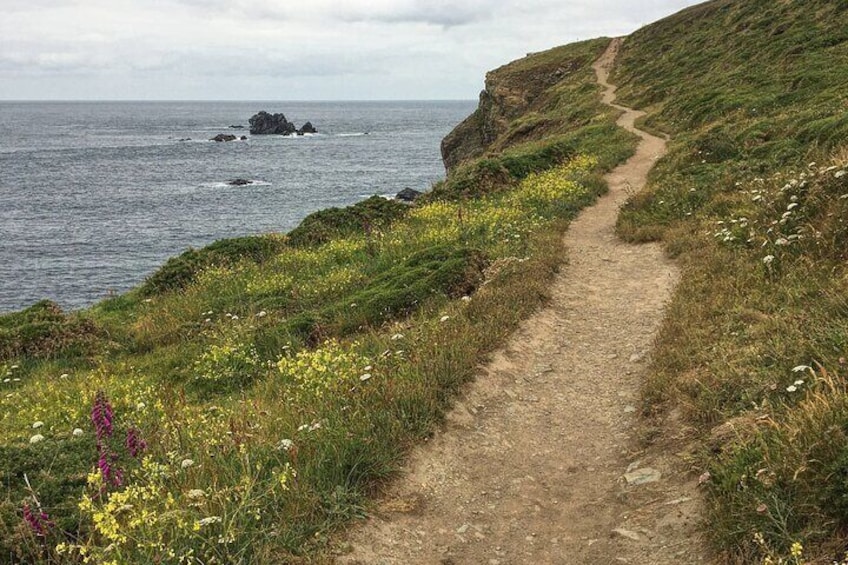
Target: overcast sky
{"points": [[287, 49]]}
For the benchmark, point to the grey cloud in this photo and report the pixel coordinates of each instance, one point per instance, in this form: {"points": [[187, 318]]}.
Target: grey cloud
{"points": [[439, 12]]}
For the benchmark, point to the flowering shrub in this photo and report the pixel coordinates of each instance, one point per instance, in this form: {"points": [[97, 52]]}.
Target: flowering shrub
{"points": [[331, 368], [228, 366]]}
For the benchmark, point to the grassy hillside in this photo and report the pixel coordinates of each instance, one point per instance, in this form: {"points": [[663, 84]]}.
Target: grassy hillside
{"points": [[242, 404], [753, 199]]}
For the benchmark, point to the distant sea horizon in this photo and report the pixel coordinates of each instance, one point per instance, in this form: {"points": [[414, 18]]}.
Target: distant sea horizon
{"points": [[95, 195]]}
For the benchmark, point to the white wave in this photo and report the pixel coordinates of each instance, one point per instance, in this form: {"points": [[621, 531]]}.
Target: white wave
{"points": [[359, 134], [226, 184]]}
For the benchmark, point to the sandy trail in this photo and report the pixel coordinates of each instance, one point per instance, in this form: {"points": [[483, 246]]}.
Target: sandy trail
{"points": [[530, 466]]}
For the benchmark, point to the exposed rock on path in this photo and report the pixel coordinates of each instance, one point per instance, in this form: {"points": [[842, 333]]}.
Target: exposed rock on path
{"points": [[531, 466]]}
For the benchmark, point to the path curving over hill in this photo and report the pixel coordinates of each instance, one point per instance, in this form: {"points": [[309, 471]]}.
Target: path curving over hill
{"points": [[531, 465]]}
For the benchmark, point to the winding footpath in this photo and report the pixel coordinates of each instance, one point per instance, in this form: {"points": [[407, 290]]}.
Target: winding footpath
{"points": [[531, 465]]}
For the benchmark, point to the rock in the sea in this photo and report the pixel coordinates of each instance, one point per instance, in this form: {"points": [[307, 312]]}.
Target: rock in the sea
{"points": [[408, 195], [243, 138], [307, 128], [223, 137], [264, 123], [237, 127], [239, 182]]}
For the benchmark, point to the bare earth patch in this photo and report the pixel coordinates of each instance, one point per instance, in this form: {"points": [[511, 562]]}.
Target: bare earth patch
{"points": [[539, 462]]}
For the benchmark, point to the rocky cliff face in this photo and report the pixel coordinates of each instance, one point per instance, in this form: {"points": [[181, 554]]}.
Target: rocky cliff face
{"points": [[512, 93]]}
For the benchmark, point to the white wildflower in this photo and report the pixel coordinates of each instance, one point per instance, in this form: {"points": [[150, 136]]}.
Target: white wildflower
{"points": [[800, 368], [262, 314], [77, 432], [444, 318], [209, 521], [799, 382], [792, 205], [196, 493], [285, 445], [368, 368], [791, 388], [365, 377], [37, 425], [767, 260], [64, 376], [840, 174], [186, 463], [36, 438], [782, 242], [466, 298], [397, 337]]}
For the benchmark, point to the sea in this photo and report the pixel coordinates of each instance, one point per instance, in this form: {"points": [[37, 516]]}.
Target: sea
{"points": [[95, 196]]}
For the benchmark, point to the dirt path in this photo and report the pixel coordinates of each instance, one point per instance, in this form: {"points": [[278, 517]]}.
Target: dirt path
{"points": [[531, 466]]}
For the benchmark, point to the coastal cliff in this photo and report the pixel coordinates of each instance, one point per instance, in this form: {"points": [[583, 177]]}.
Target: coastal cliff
{"points": [[518, 104]]}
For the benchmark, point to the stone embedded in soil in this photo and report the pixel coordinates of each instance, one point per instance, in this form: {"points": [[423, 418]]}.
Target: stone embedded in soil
{"points": [[642, 476], [627, 534]]}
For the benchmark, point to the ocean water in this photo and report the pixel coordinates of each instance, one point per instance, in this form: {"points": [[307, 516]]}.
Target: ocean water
{"points": [[94, 196]]}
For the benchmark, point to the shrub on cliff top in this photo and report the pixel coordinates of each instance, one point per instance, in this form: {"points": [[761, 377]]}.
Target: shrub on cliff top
{"points": [[43, 331], [324, 225], [181, 270]]}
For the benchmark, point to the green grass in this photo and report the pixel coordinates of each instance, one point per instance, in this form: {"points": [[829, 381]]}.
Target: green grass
{"points": [[278, 380], [752, 93]]}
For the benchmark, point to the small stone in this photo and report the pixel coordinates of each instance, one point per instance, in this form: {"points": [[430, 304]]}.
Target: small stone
{"points": [[629, 409], [642, 476], [462, 529], [636, 357], [627, 534]]}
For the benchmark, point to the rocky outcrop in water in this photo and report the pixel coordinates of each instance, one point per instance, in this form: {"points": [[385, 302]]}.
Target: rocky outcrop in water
{"points": [[264, 123], [408, 195], [223, 137]]}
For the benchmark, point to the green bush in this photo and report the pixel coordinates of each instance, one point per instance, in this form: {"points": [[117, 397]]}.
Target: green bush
{"points": [[322, 226], [44, 331], [180, 271]]}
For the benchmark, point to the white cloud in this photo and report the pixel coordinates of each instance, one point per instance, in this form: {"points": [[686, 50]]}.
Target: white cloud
{"points": [[318, 49]]}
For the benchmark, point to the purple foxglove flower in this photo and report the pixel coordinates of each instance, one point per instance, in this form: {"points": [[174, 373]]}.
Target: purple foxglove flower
{"points": [[38, 521], [102, 416], [135, 444]]}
